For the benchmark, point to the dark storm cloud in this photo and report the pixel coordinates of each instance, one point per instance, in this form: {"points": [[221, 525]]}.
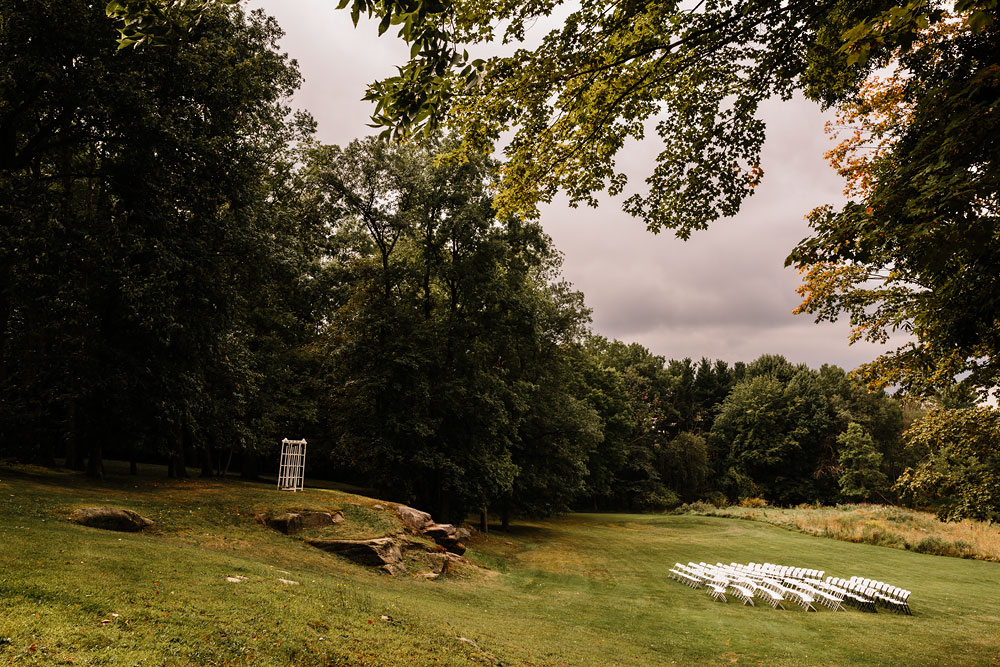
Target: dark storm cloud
{"points": [[722, 294]]}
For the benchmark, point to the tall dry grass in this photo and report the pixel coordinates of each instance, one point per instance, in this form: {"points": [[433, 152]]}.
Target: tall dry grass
{"points": [[883, 525]]}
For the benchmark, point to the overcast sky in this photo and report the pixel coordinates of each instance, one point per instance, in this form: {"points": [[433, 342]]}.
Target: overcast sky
{"points": [[723, 294]]}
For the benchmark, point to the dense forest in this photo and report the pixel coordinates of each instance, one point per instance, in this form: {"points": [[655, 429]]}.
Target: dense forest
{"points": [[187, 276]]}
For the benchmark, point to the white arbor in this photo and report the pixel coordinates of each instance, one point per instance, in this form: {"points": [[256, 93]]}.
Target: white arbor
{"points": [[292, 468]]}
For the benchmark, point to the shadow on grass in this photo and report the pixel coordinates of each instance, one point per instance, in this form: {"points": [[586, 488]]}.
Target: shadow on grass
{"points": [[151, 477]]}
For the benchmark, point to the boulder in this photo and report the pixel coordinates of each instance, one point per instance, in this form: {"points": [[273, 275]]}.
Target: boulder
{"points": [[447, 535], [292, 522], [382, 552], [110, 518], [413, 519], [314, 519], [287, 523], [440, 563]]}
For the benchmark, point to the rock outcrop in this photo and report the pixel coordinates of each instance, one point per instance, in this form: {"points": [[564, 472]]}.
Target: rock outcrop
{"points": [[286, 523], [414, 519], [448, 536], [382, 552], [440, 563], [111, 518], [292, 522], [445, 534], [314, 519]]}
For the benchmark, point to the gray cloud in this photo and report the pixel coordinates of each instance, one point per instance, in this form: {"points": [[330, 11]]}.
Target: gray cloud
{"points": [[723, 294]]}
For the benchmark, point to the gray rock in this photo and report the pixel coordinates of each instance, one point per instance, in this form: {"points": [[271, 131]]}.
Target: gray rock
{"points": [[382, 552], [110, 518], [314, 519], [287, 523], [441, 562], [290, 523], [447, 536], [413, 519], [437, 561]]}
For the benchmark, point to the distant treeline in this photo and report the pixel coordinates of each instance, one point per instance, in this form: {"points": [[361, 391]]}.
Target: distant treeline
{"points": [[187, 276]]}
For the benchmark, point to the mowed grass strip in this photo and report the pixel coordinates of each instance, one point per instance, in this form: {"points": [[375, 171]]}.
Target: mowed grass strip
{"points": [[584, 589]]}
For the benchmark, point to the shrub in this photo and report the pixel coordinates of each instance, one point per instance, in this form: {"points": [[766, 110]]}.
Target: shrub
{"points": [[960, 470], [659, 500], [936, 546], [717, 499], [965, 548], [874, 533], [697, 507], [753, 502], [896, 514]]}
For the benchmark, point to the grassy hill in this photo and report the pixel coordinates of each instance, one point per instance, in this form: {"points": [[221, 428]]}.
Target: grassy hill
{"points": [[584, 589]]}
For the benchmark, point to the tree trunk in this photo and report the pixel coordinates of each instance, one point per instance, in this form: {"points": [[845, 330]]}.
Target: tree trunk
{"points": [[133, 463], [95, 461], [206, 460], [178, 469], [484, 523], [505, 519], [250, 468], [74, 457], [229, 460]]}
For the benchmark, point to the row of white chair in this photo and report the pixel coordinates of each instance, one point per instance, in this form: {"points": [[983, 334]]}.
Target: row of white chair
{"points": [[779, 583], [743, 585], [885, 595], [781, 580], [782, 571]]}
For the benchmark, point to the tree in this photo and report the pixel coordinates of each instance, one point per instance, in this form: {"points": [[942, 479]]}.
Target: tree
{"points": [[139, 200], [575, 99], [770, 437], [959, 469], [860, 463], [877, 413], [450, 339], [606, 393], [924, 227], [684, 465], [917, 249], [633, 455]]}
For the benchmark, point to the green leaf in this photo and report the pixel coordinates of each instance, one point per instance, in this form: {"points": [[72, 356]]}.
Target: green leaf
{"points": [[979, 20]]}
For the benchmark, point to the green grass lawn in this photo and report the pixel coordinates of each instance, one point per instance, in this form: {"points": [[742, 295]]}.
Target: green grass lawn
{"points": [[584, 589]]}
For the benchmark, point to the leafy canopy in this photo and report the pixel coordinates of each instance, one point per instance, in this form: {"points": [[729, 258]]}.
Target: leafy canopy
{"points": [[612, 73], [917, 248], [959, 472]]}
